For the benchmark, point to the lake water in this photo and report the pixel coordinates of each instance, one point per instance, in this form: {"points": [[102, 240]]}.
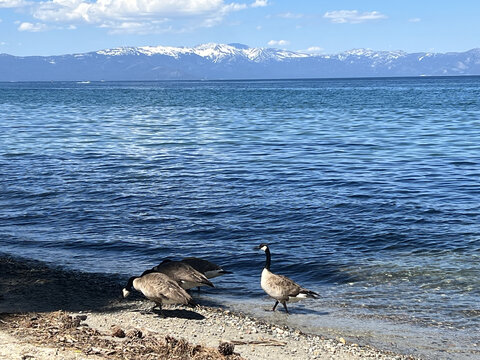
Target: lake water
{"points": [[367, 190]]}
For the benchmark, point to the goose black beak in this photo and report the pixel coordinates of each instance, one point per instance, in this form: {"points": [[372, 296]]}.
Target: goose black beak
{"points": [[259, 247]]}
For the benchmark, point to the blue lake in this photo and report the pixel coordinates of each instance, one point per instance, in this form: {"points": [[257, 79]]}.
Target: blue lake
{"points": [[367, 190]]}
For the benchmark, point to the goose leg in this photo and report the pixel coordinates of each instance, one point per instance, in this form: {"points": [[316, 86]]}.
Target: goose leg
{"points": [[275, 306], [285, 306], [159, 306], [149, 311], [161, 310]]}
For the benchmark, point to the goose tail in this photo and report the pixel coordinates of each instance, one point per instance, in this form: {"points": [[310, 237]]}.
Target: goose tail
{"points": [[309, 294], [208, 283]]}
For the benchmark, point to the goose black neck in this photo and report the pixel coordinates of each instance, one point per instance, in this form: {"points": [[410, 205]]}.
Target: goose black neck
{"points": [[130, 283], [269, 258]]}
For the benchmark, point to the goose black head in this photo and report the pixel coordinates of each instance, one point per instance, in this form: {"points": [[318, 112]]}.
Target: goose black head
{"points": [[262, 246], [128, 288]]}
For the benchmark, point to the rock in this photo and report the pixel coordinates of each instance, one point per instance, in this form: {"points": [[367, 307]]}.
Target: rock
{"points": [[226, 348], [134, 333], [118, 332]]}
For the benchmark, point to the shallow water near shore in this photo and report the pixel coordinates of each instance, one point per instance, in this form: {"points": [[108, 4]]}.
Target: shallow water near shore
{"points": [[366, 189], [400, 336]]}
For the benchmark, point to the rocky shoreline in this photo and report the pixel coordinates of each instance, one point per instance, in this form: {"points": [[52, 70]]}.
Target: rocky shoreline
{"points": [[34, 296]]}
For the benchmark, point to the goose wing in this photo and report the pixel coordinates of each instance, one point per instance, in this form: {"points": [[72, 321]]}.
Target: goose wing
{"points": [[180, 271], [286, 286], [281, 287], [201, 265], [159, 287], [207, 268]]}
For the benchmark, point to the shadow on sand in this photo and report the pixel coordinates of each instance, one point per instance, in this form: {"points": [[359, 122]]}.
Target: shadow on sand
{"points": [[32, 286], [182, 314]]}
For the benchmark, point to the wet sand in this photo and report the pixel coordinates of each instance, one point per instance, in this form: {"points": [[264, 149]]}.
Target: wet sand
{"points": [[52, 313]]}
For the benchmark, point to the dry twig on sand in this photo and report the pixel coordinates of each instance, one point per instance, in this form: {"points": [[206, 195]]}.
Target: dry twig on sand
{"points": [[60, 330]]}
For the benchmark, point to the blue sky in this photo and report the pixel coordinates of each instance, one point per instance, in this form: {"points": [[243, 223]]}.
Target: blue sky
{"points": [[53, 27]]}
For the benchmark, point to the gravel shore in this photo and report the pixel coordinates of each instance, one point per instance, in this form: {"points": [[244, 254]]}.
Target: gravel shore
{"points": [[108, 327]]}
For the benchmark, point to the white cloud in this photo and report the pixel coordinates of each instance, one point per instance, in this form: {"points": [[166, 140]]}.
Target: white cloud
{"points": [[278, 42], [143, 15], [12, 3], [414, 20], [314, 50], [26, 26], [99, 10], [260, 3], [352, 16]]}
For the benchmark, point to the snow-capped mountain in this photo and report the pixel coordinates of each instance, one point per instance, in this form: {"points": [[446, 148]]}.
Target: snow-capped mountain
{"points": [[214, 52], [232, 61]]}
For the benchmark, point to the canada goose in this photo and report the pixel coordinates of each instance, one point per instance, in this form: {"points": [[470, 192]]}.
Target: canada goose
{"points": [[207, 268], [280, 287], [183, 273], [158, 288]]}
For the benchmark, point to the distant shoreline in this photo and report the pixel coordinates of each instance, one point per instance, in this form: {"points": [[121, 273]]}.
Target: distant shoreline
{"points": [[93, 82]]}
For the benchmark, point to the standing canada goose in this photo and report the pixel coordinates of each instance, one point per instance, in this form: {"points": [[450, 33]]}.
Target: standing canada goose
{"points": [[158, 288], [207, 268], [280, 287], [183, 273]]}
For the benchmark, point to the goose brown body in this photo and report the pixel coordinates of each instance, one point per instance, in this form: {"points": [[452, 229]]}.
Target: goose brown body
{"points": [[281, 287], [159, 288]]}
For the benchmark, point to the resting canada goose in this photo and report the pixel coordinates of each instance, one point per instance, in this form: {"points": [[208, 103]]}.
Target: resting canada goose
{"points": [[158, 288], [280, 287], [183, 273], [207, 268]]}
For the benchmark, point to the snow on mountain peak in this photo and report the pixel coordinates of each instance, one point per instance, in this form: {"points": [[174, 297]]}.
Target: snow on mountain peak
{"points": [[212, 51], [146, 50], [216, 52], [376, 56]]}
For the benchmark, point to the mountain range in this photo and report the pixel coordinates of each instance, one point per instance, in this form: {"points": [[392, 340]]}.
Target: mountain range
{"points": [[232, 61]]}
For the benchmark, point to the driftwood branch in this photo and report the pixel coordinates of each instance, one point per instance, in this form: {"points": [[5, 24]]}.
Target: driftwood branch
{"points": [[262, 341]]}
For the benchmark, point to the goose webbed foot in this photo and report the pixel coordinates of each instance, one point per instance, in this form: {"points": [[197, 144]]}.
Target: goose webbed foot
{"points": [[157, 308], [285, 306]]}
